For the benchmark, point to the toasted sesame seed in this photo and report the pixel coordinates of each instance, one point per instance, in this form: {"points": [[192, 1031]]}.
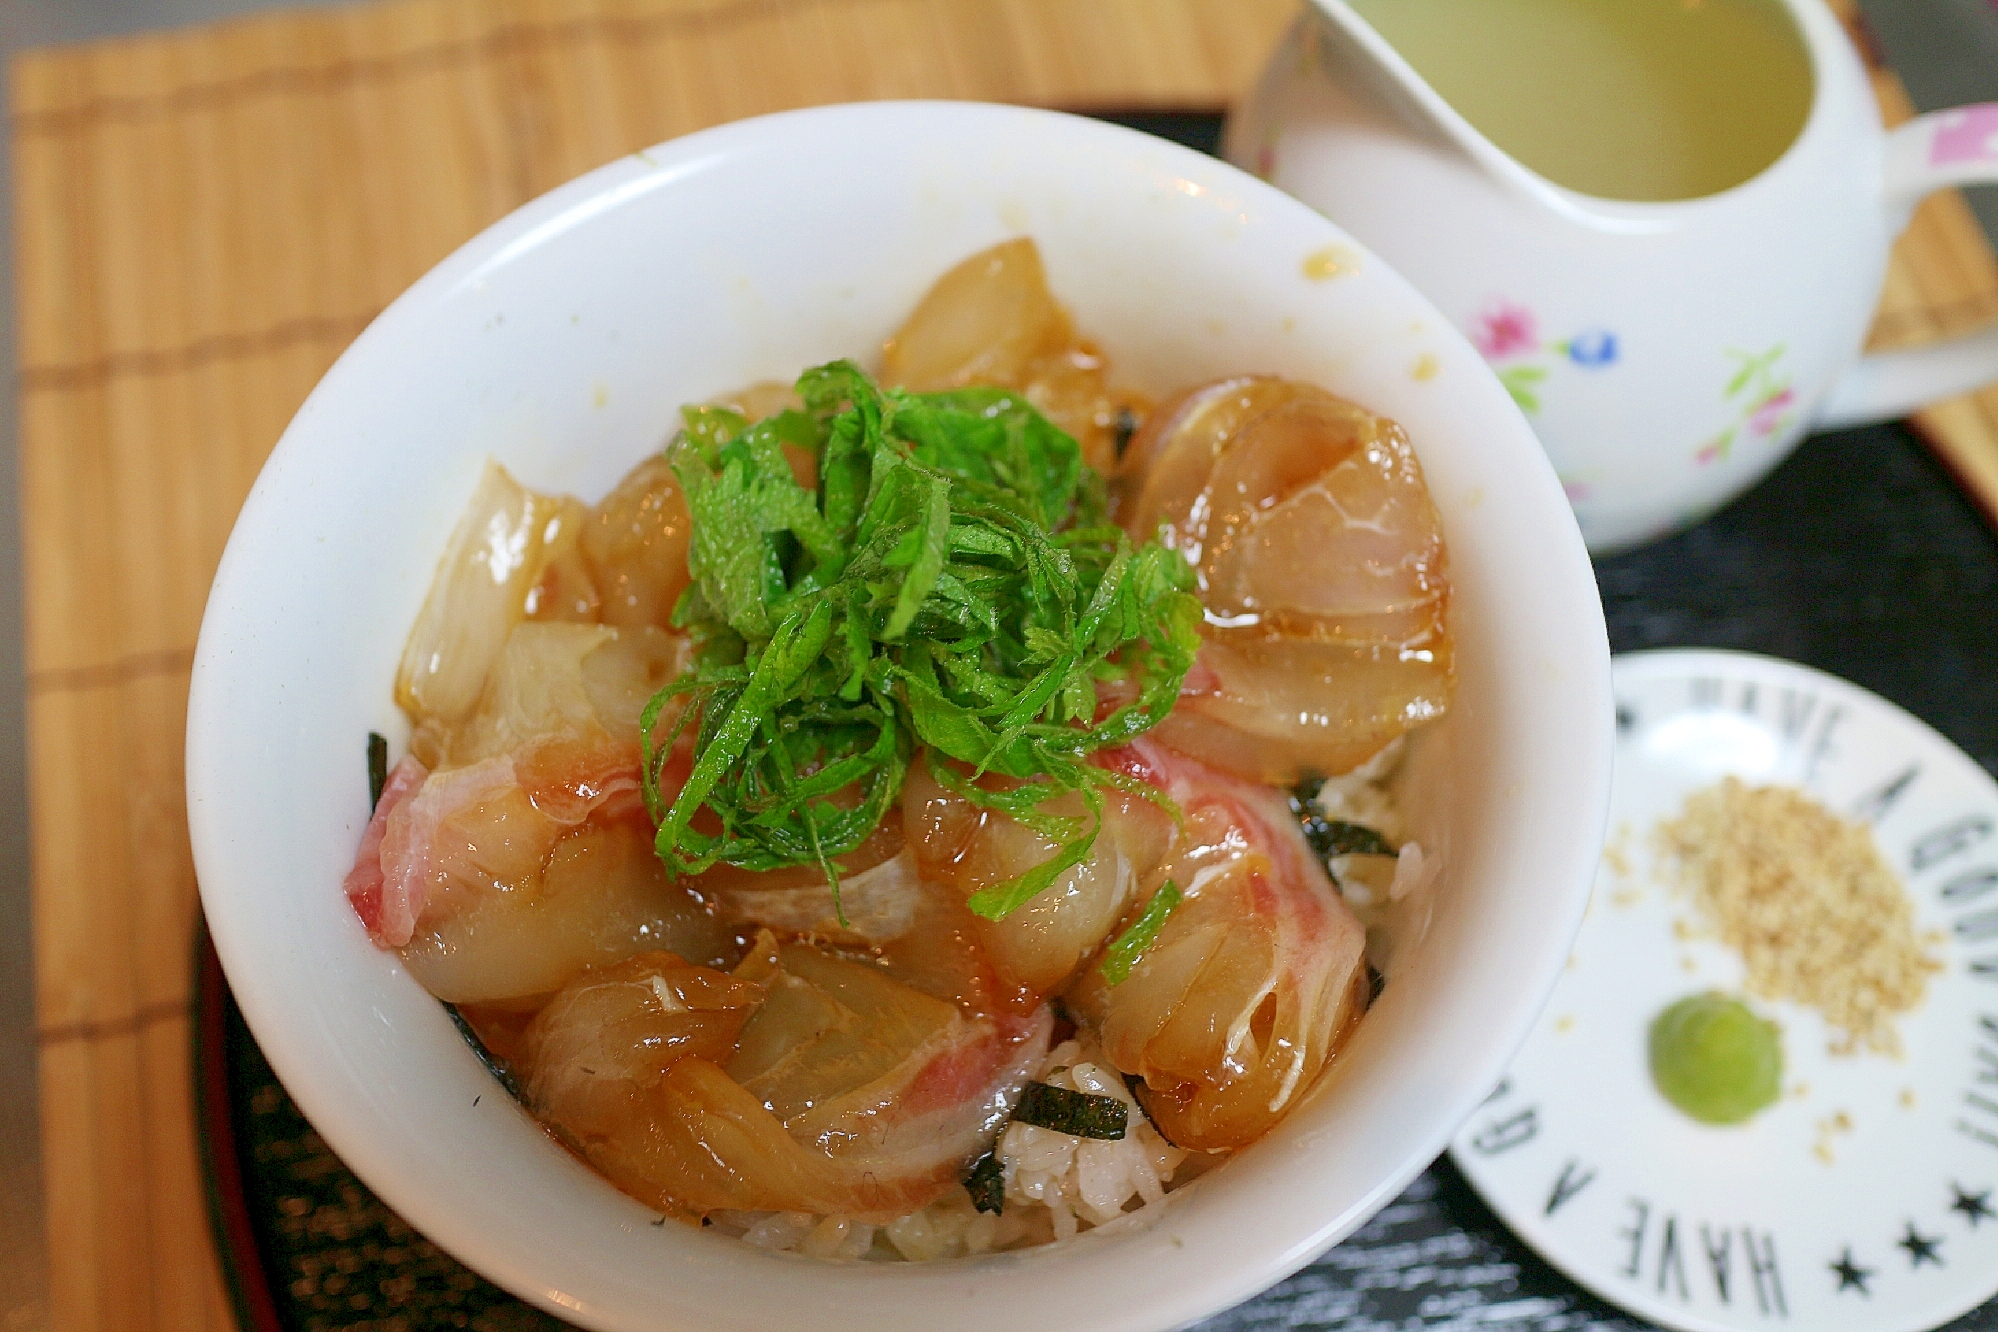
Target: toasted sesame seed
{"points": [[1806, 899]]}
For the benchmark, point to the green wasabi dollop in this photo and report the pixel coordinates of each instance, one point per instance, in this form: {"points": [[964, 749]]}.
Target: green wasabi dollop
{"points": [[1712, 1057]]}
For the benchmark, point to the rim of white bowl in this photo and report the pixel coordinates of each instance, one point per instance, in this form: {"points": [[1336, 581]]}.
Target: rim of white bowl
{"points": [[1172, 1293]]}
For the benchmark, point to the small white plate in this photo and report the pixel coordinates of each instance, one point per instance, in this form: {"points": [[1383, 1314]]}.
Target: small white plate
{"points": [[1885, 1219]]}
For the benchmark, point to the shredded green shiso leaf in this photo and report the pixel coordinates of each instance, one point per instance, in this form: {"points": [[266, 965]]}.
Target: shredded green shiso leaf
{"points": [[952, 588], [1079, 1113], [1125, 950]]}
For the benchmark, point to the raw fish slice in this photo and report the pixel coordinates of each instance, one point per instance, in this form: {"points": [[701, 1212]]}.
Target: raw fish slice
{"points": [[563, 704], [471, 836], [1320, 563], [943, 955], [566, 590], [495, 557], [713, 1145], [464, 830], [1068, 387], [879, 903], [592, 1060], [577, 685], [983, 322], [552, 745], [1278, 708], [878, 887], [1161, 481], [601, 896], [1286, 493], [1036, 948], [619, 1028], [918, 930], [634, 546], [831, 1027], [1252, 981], [846, 1092], [992, 320], [364, 882]]}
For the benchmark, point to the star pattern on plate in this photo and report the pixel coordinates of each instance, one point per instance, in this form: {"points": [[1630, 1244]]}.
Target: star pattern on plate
{"points": [[1851, 1276], [1921, 1248], [1976, 1207]]}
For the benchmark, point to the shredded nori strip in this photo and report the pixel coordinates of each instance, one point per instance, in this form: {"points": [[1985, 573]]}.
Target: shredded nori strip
{"points": [[1075, 1112], [1340, 838], [1376, 982], [1306, 791], [1143, 1094], [1332, 838], [1127, 426], [502, 1073], [377, 767], [987, 1184]]}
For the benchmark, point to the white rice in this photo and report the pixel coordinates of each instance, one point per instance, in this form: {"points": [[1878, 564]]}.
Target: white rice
{"points": [[1364, 796], [1057, 1185]]}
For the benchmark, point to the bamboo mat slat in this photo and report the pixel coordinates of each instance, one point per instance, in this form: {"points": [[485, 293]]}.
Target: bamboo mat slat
{"points": [[205, 218]]}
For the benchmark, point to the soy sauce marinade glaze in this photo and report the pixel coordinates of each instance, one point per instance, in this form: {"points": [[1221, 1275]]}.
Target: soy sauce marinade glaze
{"points": [[875, 828]]}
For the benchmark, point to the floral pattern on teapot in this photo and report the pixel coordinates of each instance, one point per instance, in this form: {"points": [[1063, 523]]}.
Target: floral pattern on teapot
{"points": [[1506, 332], [1760, 391]]}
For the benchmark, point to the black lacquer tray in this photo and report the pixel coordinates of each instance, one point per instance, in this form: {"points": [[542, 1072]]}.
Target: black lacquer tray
{"points": [[1858, 555]]}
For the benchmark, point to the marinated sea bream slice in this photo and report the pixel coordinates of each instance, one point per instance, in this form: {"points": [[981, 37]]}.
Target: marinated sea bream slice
{"points": [[1253, 979], [365, 881], [520, 556], [526, 854], [1321, 568], [992, 320], [1036, 948], [845, 1092], [917, 928]]}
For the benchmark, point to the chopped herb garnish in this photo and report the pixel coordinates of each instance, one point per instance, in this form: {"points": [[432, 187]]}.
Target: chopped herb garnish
{"points": [[377, 767], [1332, 838], [1075, 1112], [987, 1184], [1125, 950], [949, 582]]}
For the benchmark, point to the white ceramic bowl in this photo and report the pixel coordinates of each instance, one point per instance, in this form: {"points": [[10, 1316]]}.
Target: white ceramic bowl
{"points": [[563, 341]]}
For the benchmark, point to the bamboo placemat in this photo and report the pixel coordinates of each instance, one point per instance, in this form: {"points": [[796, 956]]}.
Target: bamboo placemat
{"points": [[205, 218]]}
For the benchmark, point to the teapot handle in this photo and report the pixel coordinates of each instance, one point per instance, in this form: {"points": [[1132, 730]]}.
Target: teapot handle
{"points": [[1929, 153]]}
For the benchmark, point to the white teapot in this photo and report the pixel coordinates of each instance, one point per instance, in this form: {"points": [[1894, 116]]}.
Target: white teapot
{"points": [[1667, 351]]}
